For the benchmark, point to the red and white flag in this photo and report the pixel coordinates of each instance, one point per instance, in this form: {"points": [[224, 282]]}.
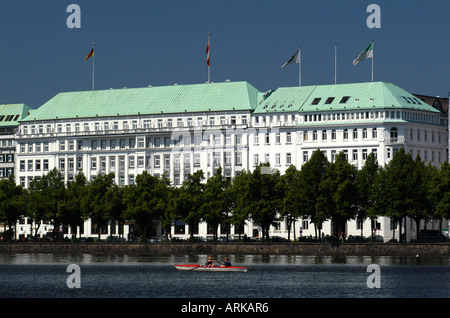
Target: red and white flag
{"points": [[207, 53]]}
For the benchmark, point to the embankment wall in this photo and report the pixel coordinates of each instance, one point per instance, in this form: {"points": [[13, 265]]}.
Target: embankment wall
{"points": [[309, 249]]}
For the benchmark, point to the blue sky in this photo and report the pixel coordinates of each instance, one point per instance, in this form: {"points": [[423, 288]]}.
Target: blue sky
{"points": [[162, 42]]}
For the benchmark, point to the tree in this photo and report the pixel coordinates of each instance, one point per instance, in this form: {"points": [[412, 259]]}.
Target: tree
{"points": [[307, 188], [189, 200], [365, 180], [95, 202], [392, 190], [338, 193], [146, 201], [48, 194], [236, 193], [420, 194], [262, 199], [440, 193], [70, 209], [215, 207], [290, 208], [11, 202], [115, 205]]}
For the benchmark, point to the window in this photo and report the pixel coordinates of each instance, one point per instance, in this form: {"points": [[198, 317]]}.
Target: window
{"points": [[256, 138], [197, 160], [131, 162], [62, 164], [305, 156], [364, 133], [316, 101], [122, 163], [238, 139], [112, 163], [227, 160], [364, 154], [333, 134], [344, 99], [305, 136], [94, 163], [288, 158], [166, 162], [277, 159], [374, 133], [141, 161], [277, 138], [355, 133], [288, 138], [329, 100], [393, 134], [238, 160], [345, 134], [256, 159]]}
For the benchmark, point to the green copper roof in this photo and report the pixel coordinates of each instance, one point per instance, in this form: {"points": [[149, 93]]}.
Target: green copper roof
{"points": [[357, 96], [11, 114], [150, 100]]}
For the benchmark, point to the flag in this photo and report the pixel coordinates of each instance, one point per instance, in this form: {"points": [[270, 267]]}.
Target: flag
{"points": [[91, 53], [207, 53], [366, 54], [294, 59]]}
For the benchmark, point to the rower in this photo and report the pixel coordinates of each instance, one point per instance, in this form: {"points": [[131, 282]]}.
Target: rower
{"points": [[226, 263], [210, 262]]}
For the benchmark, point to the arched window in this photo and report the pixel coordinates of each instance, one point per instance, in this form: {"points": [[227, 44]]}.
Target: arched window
{"points": [[393, 133]]}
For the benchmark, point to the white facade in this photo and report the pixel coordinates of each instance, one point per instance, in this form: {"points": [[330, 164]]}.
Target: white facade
{"points": [[184, 142]]}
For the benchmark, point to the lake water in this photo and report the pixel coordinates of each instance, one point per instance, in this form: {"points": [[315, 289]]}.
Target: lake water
{"points": [[122, 276]]}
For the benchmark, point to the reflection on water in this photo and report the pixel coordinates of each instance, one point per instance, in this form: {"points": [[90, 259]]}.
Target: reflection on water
{"points": [[235, 259], [288, 276]]}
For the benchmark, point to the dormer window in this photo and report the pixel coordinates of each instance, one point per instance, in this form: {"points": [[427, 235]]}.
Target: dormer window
{"points": [[329, 100], [316, 101], [344, 99]]}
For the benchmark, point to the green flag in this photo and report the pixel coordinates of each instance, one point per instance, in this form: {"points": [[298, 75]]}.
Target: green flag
{"points": [[367, 53]]}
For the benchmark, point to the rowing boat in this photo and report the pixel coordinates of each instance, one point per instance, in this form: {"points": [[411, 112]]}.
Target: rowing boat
{"points": [[203, 268]]}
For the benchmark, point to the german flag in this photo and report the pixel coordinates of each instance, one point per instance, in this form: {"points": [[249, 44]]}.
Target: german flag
{"points": [[91, 53]]}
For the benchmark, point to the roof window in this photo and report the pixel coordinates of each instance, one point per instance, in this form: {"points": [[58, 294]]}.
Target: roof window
{"points": [[344, 99], [316, 101], [329, 100]]}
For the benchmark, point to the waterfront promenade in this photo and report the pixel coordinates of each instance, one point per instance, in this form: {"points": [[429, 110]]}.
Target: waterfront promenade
{"points": [[178, 248]]}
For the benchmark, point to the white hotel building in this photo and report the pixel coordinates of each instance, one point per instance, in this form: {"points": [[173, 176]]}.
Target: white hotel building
{"points": [[183, 128]]}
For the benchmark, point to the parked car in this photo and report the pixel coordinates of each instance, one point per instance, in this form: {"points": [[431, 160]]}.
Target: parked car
{"points": [[431, 236], [277, 239]]}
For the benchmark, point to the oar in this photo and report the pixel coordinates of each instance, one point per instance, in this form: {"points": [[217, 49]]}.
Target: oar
{"points": [[196, 267]]}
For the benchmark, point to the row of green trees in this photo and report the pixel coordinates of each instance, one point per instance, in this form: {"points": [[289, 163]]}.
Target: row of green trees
{"points": [[319, 191]]}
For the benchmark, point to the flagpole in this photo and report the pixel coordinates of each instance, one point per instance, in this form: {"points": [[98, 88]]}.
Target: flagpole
{"points": [[335, 63], [93, 67], [209, 54], [372, 59], [300, 66]]}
